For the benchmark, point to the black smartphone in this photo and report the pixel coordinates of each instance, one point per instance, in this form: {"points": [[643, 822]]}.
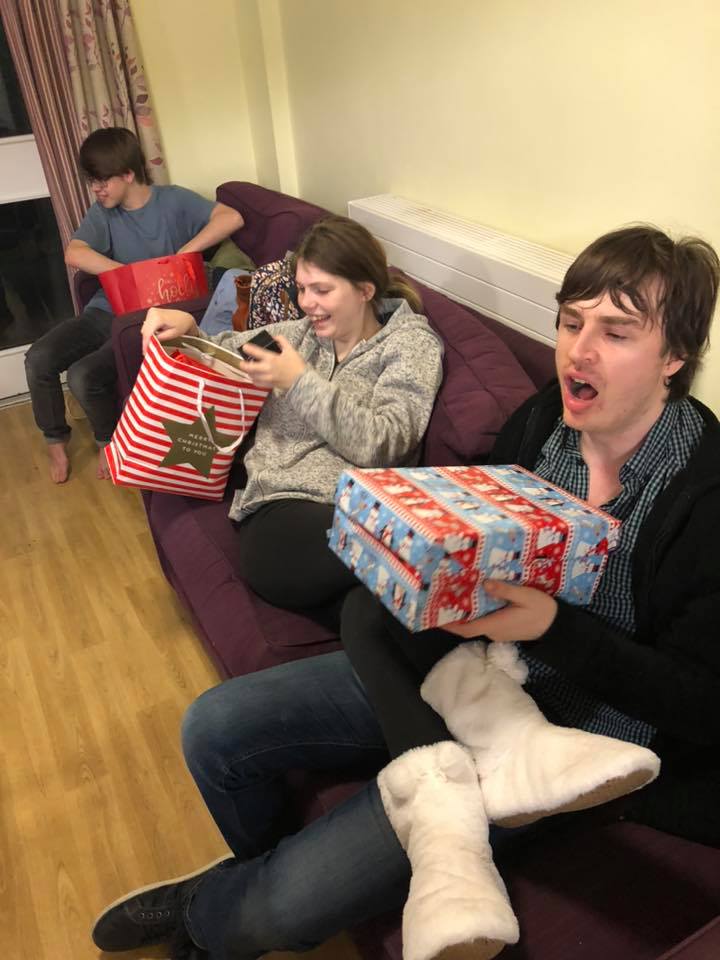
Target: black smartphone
{"points": [[261, 339]]}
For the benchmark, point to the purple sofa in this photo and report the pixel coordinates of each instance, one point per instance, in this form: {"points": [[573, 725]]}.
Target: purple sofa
{"points": [[615, 890]]}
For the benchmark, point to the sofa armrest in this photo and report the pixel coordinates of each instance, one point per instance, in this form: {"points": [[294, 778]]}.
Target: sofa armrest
{"points": [[704, 944], [85, 285]]}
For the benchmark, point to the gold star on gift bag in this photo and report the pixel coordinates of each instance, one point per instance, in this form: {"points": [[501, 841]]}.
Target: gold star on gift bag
{"points": [[191, 444]]}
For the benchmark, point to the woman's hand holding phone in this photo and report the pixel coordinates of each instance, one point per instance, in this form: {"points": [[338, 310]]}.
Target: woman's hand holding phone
{"points": [[270, 368]]}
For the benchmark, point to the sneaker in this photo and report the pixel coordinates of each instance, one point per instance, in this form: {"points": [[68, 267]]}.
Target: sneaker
{"points": [[148, 915]]}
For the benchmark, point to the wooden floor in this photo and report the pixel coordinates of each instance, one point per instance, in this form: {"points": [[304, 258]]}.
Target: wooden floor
{"points": [[97, 664]]}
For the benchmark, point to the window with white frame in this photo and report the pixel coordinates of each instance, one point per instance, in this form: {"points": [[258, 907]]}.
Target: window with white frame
{"points": [[34, 292]]}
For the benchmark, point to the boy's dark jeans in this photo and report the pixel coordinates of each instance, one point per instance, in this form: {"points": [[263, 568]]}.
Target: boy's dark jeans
{"points": [[82, 346]]}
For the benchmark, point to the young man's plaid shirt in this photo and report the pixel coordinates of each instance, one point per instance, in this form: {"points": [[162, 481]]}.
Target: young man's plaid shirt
{"points": [[664, 452]]}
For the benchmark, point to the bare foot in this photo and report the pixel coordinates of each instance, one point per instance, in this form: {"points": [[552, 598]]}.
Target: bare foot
{"points": [[59, 462], [103, 471]]}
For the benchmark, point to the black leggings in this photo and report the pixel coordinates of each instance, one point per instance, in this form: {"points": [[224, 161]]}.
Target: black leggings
{"points": [[284, 557], [391, 664]]}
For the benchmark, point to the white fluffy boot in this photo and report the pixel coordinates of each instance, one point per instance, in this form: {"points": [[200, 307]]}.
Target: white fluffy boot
{"points": [[457, 908], [528, 767]]}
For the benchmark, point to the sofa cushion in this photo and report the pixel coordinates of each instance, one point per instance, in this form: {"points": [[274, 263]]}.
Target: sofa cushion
{"points": [[609, 890], [229, 256], [196, 544], [537, 359], [483, 384]]}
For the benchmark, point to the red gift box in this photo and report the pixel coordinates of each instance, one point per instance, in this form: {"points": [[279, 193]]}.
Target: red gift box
{"points": [[155, 283]]}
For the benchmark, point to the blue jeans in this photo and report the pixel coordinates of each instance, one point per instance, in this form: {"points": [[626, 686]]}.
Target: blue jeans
{"points": [[289, 892], [82, 346], [292, 891]]}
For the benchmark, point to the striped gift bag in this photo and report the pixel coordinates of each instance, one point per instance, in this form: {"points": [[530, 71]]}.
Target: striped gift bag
{"points": [[183, 420]]}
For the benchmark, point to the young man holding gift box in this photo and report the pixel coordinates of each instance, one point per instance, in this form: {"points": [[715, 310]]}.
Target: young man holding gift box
{"points": [[639, 666], [131, 220]]}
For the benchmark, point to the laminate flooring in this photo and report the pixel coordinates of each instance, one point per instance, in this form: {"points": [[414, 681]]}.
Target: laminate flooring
{"points": [[98, 662]]}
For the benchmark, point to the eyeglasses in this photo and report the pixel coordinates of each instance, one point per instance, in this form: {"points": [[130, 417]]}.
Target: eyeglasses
{"points": [[98, 184]]}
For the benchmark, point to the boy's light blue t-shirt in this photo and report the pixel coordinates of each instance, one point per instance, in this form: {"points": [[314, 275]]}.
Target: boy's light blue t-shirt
{"points": [[171, 217]]}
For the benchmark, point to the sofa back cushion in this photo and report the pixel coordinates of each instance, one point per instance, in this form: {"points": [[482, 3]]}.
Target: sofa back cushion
{"points": [[274, 222], [483, 384], [537, 359]]}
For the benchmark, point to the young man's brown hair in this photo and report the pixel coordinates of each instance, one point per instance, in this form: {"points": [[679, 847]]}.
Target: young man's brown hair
{"points": [[111, 152], [675, 282]]}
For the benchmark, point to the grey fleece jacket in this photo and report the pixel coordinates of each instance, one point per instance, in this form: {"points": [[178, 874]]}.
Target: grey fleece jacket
{"points": [[371, 410]]}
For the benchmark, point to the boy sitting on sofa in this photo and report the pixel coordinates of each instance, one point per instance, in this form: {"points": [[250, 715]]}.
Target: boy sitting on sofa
{"points": [[131, 220], [618, 429]]}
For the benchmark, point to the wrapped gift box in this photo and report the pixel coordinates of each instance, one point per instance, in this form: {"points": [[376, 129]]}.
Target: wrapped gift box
{"points": [[423, 539], [154, 283]]}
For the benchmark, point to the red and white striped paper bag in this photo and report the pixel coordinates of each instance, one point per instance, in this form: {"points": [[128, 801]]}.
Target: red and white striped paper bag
{"points": [[183, 420]]}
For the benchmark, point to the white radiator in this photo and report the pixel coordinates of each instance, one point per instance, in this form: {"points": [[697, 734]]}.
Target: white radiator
{"points": [[506, 278]]}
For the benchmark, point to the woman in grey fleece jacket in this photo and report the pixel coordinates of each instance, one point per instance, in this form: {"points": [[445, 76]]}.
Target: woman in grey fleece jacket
{"points": [[353, 386]]}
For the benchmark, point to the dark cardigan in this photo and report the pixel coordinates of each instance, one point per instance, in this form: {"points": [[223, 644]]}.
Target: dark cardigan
{"points": [[668, 672]]}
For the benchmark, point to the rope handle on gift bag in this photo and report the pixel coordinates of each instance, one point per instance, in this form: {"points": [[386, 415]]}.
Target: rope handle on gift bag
{"points": [[206, 426]]}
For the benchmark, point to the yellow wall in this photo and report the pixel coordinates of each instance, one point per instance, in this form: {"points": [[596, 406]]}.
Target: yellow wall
{"points": [[192, 58], [553, 120]]}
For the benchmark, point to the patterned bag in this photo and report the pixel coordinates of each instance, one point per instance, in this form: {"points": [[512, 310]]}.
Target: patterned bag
{"points": [[273, 294], [189, 410]]}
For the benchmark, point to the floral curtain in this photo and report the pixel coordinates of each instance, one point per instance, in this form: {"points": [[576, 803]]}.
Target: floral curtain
{"points": [[106, 73], [78, 66]]}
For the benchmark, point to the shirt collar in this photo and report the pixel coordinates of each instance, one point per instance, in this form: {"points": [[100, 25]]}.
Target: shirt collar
{"points": [[655, 450], [563, 442]]}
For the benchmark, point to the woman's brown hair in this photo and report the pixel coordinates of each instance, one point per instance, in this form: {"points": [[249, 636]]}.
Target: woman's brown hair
{"points": [[346, 249], [673, 282]]}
